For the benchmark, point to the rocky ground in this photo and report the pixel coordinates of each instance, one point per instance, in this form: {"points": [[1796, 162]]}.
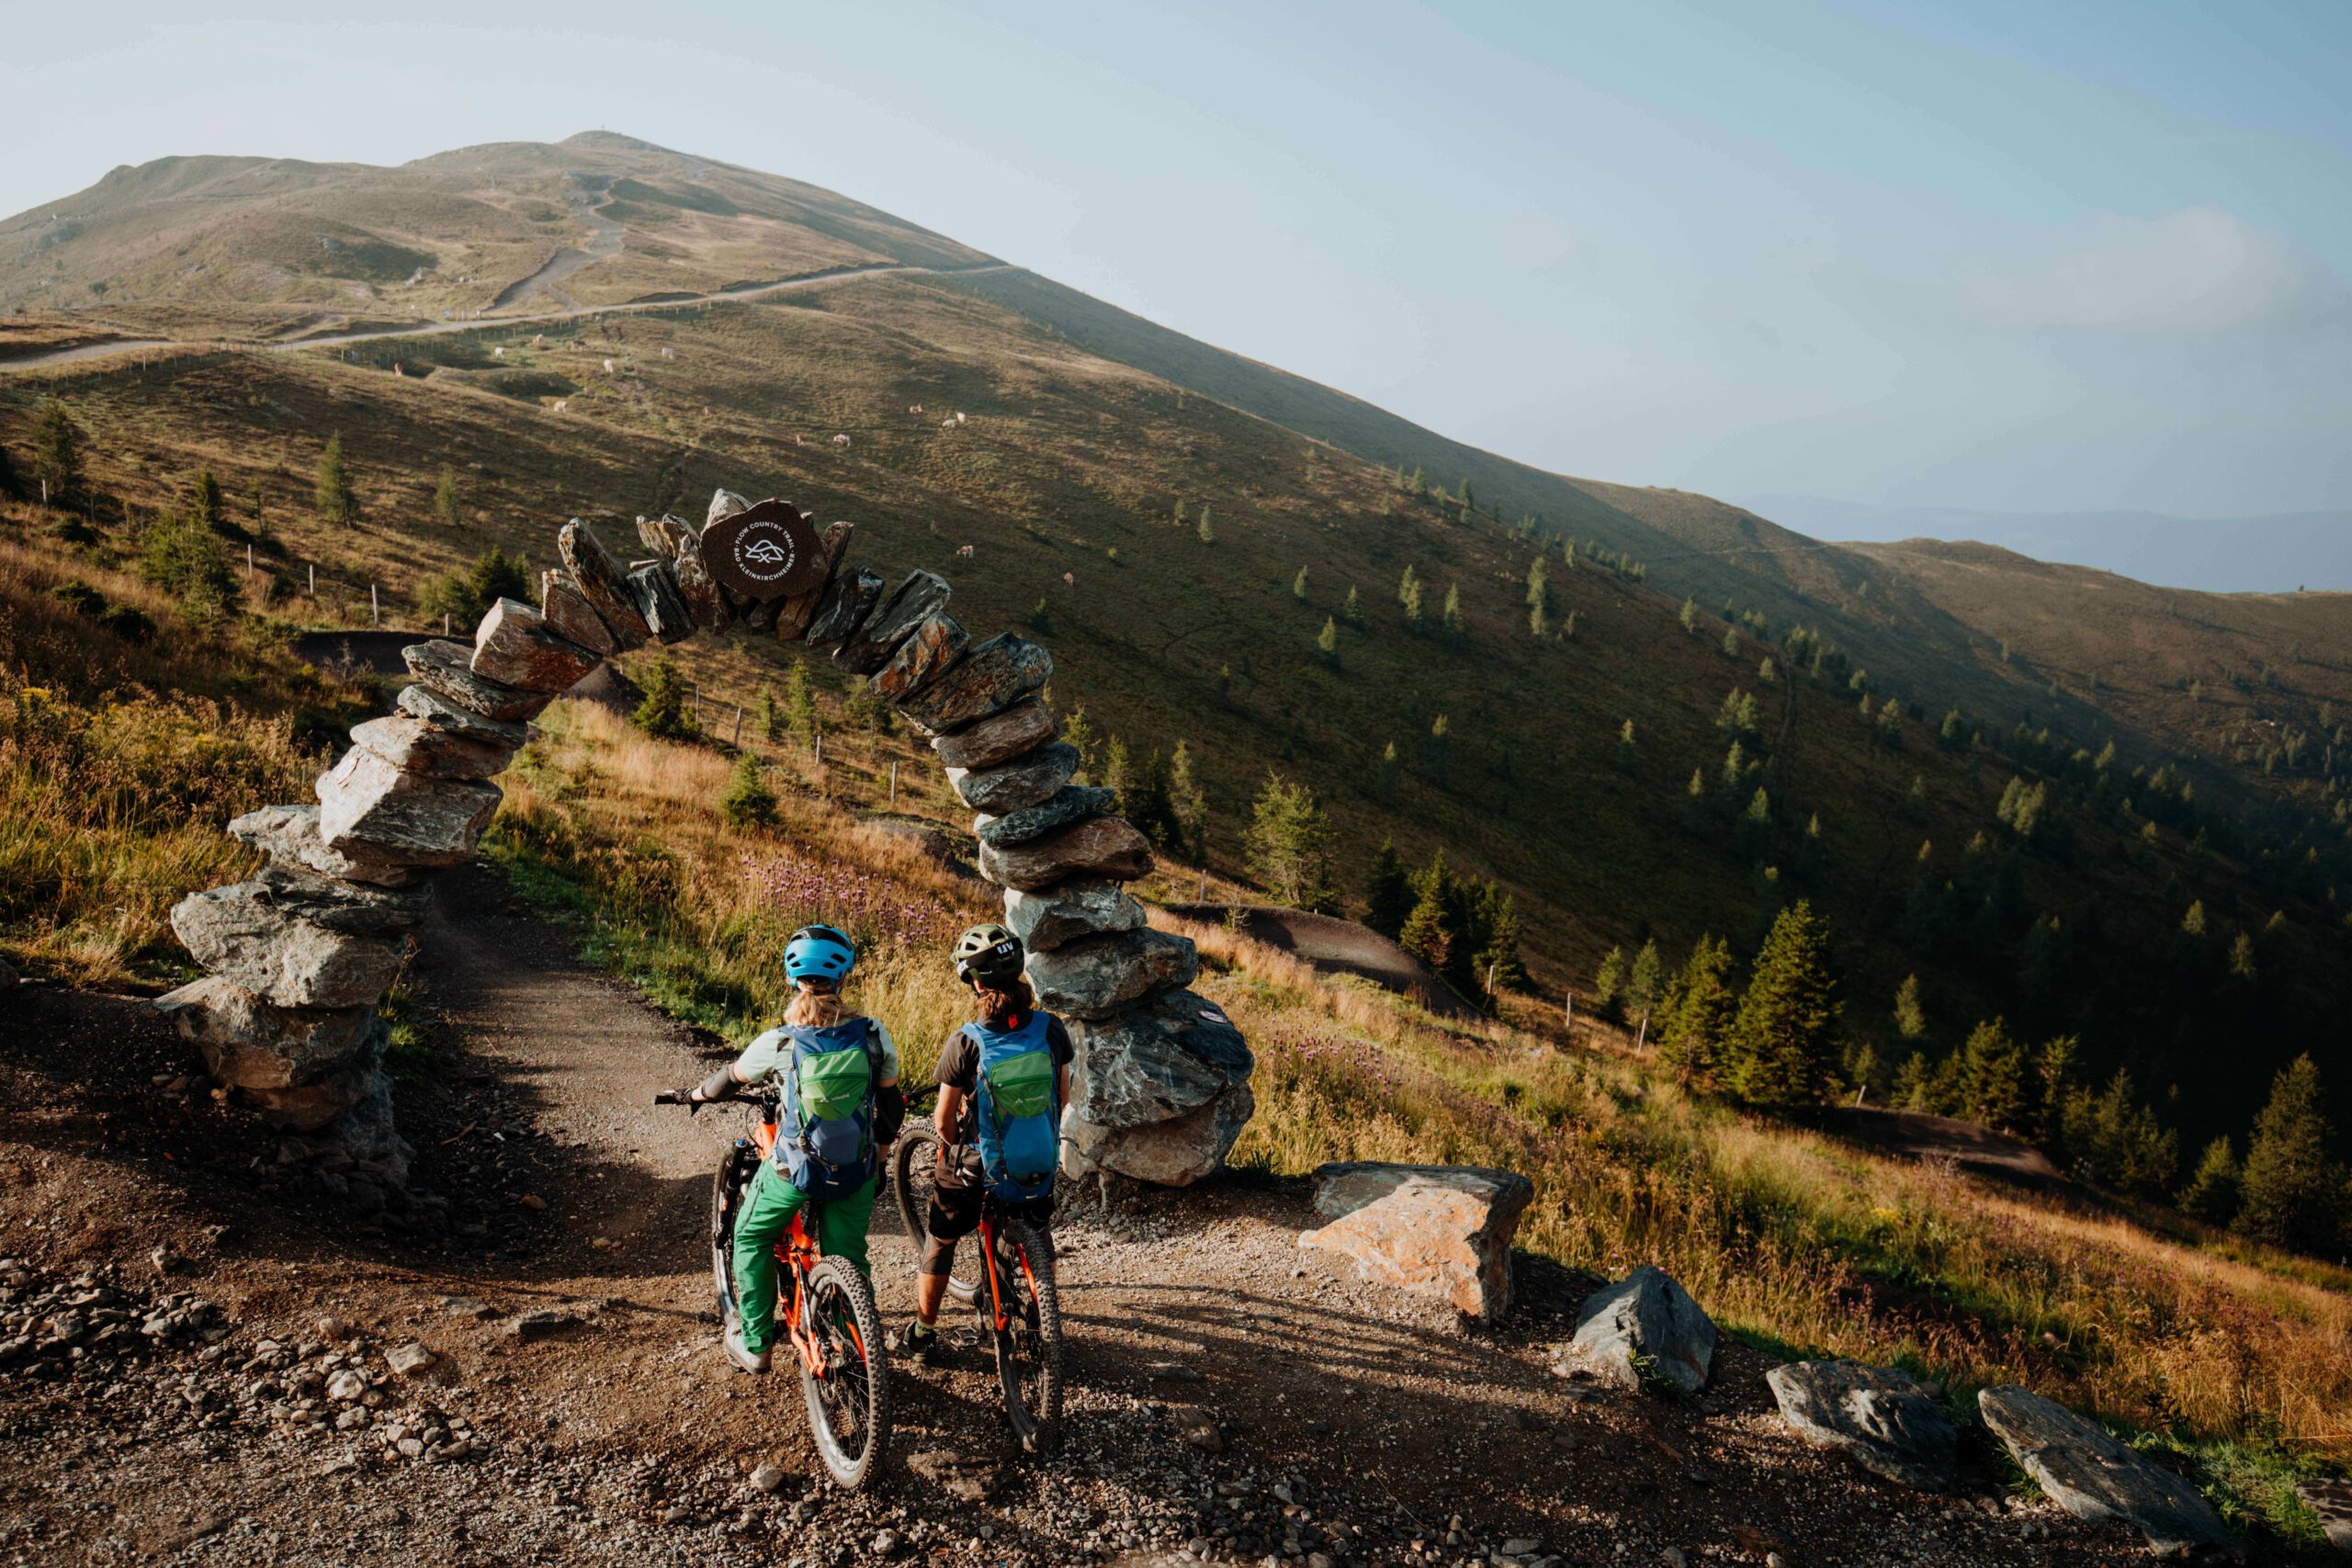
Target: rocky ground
{"points": [[205, 1360]]}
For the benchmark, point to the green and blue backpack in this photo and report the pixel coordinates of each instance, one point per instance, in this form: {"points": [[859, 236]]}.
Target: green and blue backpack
{"points": [[1017, 1117], [826, 1139]]}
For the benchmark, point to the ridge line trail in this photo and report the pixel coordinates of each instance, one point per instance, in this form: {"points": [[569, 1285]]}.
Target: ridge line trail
{"points": [[795, 283]]}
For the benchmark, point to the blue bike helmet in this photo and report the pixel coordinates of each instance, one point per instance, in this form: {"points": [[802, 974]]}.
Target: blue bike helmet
{"points": [[818, 952]]}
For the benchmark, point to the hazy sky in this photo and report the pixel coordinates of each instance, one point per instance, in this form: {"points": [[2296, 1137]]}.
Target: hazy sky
{"points": [[2030, 255]]}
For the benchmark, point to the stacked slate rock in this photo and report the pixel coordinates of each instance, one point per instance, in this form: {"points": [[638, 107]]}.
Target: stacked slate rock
{"points": [[299, 955]]}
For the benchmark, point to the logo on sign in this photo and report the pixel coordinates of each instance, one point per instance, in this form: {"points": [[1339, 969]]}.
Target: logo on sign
{"points": [[768, 552]]}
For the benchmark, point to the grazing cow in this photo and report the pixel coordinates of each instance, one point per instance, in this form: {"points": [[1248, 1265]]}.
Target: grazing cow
{"points": [[1070, 578], [959, 416], [563, 405], [915, 408], [608, 366], [497, 353], [841, 440], [946, 424], [965, 554]]}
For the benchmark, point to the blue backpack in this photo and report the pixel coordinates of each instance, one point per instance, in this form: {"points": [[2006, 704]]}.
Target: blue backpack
{"points": [[1017, 1116], [826, 1138]]}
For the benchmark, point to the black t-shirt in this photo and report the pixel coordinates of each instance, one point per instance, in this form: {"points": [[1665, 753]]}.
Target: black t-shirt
{"points": [[959, 1065]]}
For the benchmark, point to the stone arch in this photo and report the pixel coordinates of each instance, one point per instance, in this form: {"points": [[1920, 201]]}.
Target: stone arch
{"points": [[299, 956]]}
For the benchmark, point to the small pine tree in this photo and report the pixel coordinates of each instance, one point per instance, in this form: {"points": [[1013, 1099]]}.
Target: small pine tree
{"points": [[1206, 528], [332, 495], [2193, 922], [802, 721], [57, 451], [1691, 1030], [1352, 612], [1388, 769], [771, 717], [1452, 617], [1626, 755], [1118, 773], [1298, 586], [444, 496], [1731, 641], [1782, 1047], [1327, 641], [2242, 957], [1539, 590], [1187, 803], [1408, 594], [1078, 732], [663, 711], [2293, 1193], [182, 555], [1688, 616], [1425, 934], [747, 802], [1910, 1018], [1289, 844], [1568, 627], [1388, 895], [1609, 982], [1994, 1075], [1642, 983], [2211, 1194]]}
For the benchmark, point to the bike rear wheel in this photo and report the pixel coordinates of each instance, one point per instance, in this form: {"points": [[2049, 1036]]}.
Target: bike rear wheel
{"points": [[1029, 1352], [849, 1407], [914, 1177]]}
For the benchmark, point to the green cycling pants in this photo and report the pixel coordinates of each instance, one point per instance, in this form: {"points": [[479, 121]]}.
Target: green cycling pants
{"points": [[766, 1214]]}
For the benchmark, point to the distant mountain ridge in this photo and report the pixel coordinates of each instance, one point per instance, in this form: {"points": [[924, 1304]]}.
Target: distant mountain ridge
{"points": [[2275, 553]]}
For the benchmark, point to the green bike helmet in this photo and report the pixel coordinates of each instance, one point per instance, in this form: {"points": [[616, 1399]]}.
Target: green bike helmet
{"points": [[988, 954]]}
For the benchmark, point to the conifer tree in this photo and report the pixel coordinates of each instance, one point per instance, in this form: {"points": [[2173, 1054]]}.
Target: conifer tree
{"points": [[1452, 617], [1206, 528], [2242, 957], [1625, 753], [1187, 804], [747, 801], [662, 712], [1642, 983], [1608, 981], [57, 451], [1690, 1030], [1118, 773], [2293, 1192], [2211, 1194], [1408, 594], [2193, 922], [1388, 895], [1298, 586], [1689, 615], [1388, 769], [332, 494], [1568, 627], [1289, 844], [1994, 1069], [1731, 641], [1782, 1047], [1352, 612], [1327, 642], [1910, 1018], [444, 496], [1768, 672], [801, 720], [1535, 622], [1079, 732], [183, 554], [1539, 591]]}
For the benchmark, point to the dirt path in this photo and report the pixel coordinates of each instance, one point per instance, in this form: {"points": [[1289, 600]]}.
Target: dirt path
{"points": [[1980, 1151], [605, 240], [820, 279], [607, 1430]]}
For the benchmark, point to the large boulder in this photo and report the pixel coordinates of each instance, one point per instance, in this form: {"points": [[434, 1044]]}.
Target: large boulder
{"points": [[605, 583], [2095, 1477], [1883, 1419], [446, 668], [918, 596], [1068, 911], [2330, 1497], [415, 744], [239, 935], [355, 908], [705, 601], [1068, 805], [1434, 1230], [654, 586], [513, 644], [927, 653], [993, 678], [1028, 780], [794, 616], [364, 800], [290, 836], [1106, 846], [1096, 976], [565, 611], [1160, 1094], [1645, 1325], [303, 1066], [849, 599], [997, 741]]}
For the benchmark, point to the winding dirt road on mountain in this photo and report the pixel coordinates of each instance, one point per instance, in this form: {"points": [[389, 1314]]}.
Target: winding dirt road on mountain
{"points": [[820, 279], [1353, 1425]]}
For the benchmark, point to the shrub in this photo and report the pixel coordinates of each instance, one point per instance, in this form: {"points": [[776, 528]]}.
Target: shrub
{"points": [[747, 802]]}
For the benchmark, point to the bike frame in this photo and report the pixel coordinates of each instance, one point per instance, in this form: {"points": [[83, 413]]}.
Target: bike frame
{"points": [[797, 1253], [1000, 1318]]}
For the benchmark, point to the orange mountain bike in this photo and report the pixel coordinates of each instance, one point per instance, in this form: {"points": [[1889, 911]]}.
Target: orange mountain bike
{"points": [[824, 1305], [1011, 1288]]}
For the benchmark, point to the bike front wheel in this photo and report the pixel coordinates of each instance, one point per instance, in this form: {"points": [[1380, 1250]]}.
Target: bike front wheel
{"points": [[1029, 1351], [914, 1177], [849, 1404]]}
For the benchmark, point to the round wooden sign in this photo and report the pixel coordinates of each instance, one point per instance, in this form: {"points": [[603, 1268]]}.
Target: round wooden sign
{"points": [[767, 552]]}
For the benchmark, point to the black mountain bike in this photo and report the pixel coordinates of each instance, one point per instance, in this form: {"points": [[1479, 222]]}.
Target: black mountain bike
{"points": [[1011, 1286]]}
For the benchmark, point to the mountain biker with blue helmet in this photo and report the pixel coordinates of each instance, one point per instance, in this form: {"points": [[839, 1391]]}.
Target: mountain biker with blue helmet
{"points": [[989, 959], [818, 1030]]}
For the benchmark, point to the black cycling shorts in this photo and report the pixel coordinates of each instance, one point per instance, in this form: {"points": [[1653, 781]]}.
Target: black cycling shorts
{"points": [[954, 1213]]}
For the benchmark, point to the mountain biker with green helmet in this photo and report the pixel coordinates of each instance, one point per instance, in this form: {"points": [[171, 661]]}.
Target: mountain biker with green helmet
{"points": [[981, 1075], [840, 1110]]}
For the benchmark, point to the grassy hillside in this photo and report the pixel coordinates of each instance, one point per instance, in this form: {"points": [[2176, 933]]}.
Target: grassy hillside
{"points": [[287, 245]]}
